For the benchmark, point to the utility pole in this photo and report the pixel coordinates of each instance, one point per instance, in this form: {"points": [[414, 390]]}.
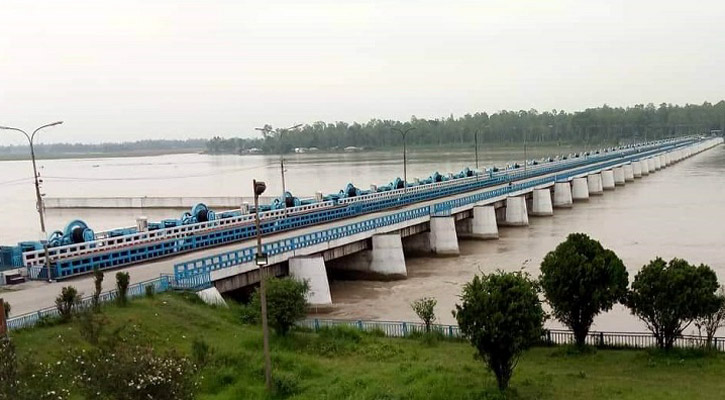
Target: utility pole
{"points": [[261, 260], [475, 139], [404, 133], [38, 197], [280, 133]]}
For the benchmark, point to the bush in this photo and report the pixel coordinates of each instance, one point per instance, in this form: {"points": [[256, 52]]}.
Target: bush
{"points": [[424, 308], [580, 279], [286, 304], [286, 384], [8, 370], [6, 309], [122, 281], [98, 287], [91, 326], [67, 302], [501, 316], [669, 297], [134, 372], [150, 291]]}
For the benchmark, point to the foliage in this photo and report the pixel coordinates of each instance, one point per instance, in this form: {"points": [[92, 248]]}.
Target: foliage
{"points": [[122, 281], [135, 372], [6, 309], [711, 322], [150, 291], [603, 124], [92, 325], [580, 279], [668, 297], [424, 308], [67, 301], [286, 304], [8, 369], [201, 352], [501, 316], [97, 288]]}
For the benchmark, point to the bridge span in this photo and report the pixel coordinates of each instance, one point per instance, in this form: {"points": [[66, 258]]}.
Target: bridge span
{"points": [[366, 235]]}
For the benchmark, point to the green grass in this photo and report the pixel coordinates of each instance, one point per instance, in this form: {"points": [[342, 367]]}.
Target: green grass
{"points": [[344, 364]]}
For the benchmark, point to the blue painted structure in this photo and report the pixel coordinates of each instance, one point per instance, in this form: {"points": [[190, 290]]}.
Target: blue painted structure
{"points": [[122, 248]]}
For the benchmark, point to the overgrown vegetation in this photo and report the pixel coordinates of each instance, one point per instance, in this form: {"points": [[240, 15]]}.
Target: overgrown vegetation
{"points": [[122, 282], [97, 288], [286, 304], [67, 302]]}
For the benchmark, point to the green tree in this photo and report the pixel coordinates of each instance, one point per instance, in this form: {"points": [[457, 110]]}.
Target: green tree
{"points": [[424, 308], [711, 322], [580, 279], [286, 304], [668, 297], [501, 316], [67, 301], [98, 286], [122, 281]]}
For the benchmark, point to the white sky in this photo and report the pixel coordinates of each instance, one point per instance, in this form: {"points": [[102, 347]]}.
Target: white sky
{"points": [[127, 70]]}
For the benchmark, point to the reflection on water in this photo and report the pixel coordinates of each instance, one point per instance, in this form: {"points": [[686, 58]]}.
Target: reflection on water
{"points": [[676, 212]]}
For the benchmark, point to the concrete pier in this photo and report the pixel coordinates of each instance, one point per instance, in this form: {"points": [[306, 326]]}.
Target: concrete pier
{"points": [[212, 296], [619, 176], [516, 213], [484, 223], [443, 238], [594, 184], [651, 165], [658, 163], [666, 157], [637, 169], [541, 206], [579, 189], [312, 269], [645, 167], [628, 173], [562, 195], [608, 180]]}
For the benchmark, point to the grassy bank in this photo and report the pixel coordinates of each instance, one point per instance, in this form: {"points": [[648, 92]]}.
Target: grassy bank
{"points": [[343, 364]]}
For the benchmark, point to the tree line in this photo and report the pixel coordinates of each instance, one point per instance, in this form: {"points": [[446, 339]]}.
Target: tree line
{"points": [[600, 125], [159, 145]]}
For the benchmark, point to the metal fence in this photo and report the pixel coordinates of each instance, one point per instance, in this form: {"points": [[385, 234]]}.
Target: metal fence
{"points": [[163, 283], [633, 340]]}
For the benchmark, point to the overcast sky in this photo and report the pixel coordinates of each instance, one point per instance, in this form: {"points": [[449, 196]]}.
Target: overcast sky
{"points": [[127, 70]]}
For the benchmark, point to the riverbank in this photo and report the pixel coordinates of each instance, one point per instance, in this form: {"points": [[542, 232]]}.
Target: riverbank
{"points": [[82, 156], [346, 364]]}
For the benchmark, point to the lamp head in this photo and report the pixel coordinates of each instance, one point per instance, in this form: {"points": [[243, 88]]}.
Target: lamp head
{"points": [[259, 188]]}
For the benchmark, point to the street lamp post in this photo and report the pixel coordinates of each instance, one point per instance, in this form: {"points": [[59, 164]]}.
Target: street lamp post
{"points": [[38, 196], [404, 133], [475, 140], [261, 260]]}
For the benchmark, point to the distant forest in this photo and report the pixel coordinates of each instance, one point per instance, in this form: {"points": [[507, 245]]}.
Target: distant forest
{"points": [[601, 125], [125, 148]]}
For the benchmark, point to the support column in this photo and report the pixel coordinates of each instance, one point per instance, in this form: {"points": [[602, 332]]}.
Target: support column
{"points": [[645, 167], [443, 238], [211, 296], [484, 223], [658, 163], [608, 180], [516, 214], [542, 206], [636, 169], [579, 189], [619, 176], [628, 173], [562, 195], [594, 184], [651, 165], [666, 157], [312, 269]]}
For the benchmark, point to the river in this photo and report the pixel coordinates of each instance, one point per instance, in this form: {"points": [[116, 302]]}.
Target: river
{"points": [[676, 212]]}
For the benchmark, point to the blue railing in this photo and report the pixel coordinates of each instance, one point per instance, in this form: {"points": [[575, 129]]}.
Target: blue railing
{"points": [[161, 284], [236, 257], [604, 339]]}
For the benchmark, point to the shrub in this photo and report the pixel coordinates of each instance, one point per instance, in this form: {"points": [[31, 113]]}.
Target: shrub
{"points": [[134, 372], [501, 316], [668, 297], [424, 308], [6, 309], [580, 279], [122, 281], [8, 370], [67, 302], [286, 384], [713, 321], [286, 304], [98, 287], [91, 326], [150, 291]]}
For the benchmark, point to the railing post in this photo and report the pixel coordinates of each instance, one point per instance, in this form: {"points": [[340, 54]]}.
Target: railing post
{"points": [[405, 329], [601, 339], [548, 337], [317, 325], [450, 331], [359, 325]]}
